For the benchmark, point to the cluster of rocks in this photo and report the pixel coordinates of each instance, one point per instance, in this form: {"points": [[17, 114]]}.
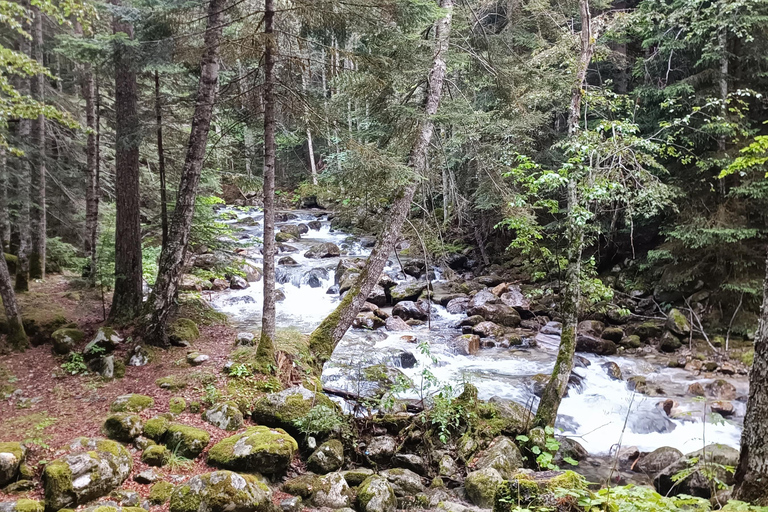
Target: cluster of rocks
{"points": [[212, 261], [98, 354]]}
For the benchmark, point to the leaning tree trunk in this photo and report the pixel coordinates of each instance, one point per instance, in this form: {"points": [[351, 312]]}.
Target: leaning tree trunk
{"points": [[752, 471], [324, 339], [23, 181], [546, 414], [266, 348], [38, 221], [172, 256], [127, 299]]}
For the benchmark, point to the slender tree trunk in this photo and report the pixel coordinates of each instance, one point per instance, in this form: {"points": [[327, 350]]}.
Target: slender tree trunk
{"points": [[161, 160], [38, 208], [127, 299], [91, 172], [24, 180], [546, 413], [172, 256], [312, 163], [324, 339], [723, 83], [752, 471], [247, 130], [266, 348], [17, 338], [5, 220]]}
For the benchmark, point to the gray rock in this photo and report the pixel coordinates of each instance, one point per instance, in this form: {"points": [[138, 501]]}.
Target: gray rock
{"points": [[292, 504], [376, 495], [258, 448], [410, 290], [466, 344], [408, 310], [123, 427], [225, 415], [245, 338], [104, 366], [698, 483], [11, 457], [238, 283], [481, 485], [410, 461], [282, 409], [148, 476], [332, 492], [502, 455], [457, 305], [196, 358], [139, 357], [323, 250], [221, 491], [404, 481], [328, 457], [395, 323], [381, 447], [106, 339]]}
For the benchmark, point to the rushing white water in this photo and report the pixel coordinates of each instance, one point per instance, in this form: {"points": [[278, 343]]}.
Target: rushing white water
{"points": [[600, 413]]}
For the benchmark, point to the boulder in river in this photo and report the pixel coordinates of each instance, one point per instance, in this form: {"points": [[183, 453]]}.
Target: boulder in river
{"points": [[221, 491], [395, 323], [261, 449], [466, 344], [409, 290], [591, 327], [323, 250], [367, 320], [497, 313], [721, 389], [698, 482], [658, 459], [408, 310], [515, 418], [593, 345]]}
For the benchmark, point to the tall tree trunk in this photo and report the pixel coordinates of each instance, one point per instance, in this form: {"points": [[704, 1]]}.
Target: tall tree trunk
{"points": [[172, 256], [5, 220], [546, 413], [16, 337], [752, 471], [247, 130], [311, 153], [127, 299], [38, 221], [266, 349], [23, 180], [324, 339], [723, 85], [161, 160]]}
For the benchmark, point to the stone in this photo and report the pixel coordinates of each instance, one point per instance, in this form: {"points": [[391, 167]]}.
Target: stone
{"points": [[245, 339], [221, 491], [225, 415], [186, 441], [503, 455], [378, 296], [677, 323], [148, 476], [515, 418], [448, 468], [93, 468], [658, 459], [282, 236], [407, 310], [723, 408], [106, 339], [328, 457], [287, 261], [19, 487], [157, 456], [466, 344], [196, 358], [648, 330], [184, 329], [132, 403], [375, 494], [263, 449], [486, 329], [409, 290], [481, 485], [124, 427], [323, 250], [104, 366], [593, 345], [381, 448], [177, 405], [411, 461], [613, 370], [615, 334], [355, 477], [282, 409], [697, 483], [22, 505], [238, 283], [332, 492], [720, 389], [696, 389], [498, 313], [458, 305], [292, 504], [367, 320], [631, 341], [395, 323], [590, 327], [65, 340], [11, 458], [669, 342], [142, 443], [139, 357], [569, 449], [155, 428], [403, 481], [160, 493]]}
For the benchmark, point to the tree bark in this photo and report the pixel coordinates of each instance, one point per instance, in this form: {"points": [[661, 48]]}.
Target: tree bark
{"points": [[161, 160], [752, 471], [16, 337], [174, 251], [23, 180], [247, 130], [87, 85], [546, 414], [38, 208], [5, 220], [266, 348], [324, 339], [723, 83], [127, 299]]}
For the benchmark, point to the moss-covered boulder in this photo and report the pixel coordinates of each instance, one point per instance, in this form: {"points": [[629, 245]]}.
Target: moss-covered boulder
{"points": [[677, 323], [123, 426], [303, 485], [160, 492], [328, 457], [332, 492], [132, 403], [22, 505], [481, 485], [186, 441], [502, 455], [177, 405], [226, 416], [171, 382], [156, 455], [533, 489], [513, 418], [404, 481], [323, 250], [261, 449], [156, 428], [407, 291], [281, 410], [11, 458], [93, 468], [357, 476], [375, 494], [222, 491], [105, 340], [65, 339], [183, 329], [713, 459]]}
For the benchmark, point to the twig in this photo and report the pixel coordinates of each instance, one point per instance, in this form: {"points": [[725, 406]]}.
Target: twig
{"points": [[730, 324]]}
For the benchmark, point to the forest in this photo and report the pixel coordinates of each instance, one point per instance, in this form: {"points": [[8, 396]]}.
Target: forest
{"points": [[379, 255]]}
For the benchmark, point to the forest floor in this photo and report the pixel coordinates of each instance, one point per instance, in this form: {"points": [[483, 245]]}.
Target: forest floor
{"points": [[48, 408]]}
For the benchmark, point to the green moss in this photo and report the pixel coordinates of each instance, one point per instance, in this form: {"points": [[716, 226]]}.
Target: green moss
{"points": [[513, 494], [184, 329], [17, 337], [304, 485], [132, 403], [58, 480], [172, 382], [161, 492], [12, 262], [195, 407], [157, 455], [186, 441], [156, 428], [177, 405], [25, 505], [122, 426], [271, 450], [119, 371], [132, 509], [567, 480], [113, 447], [14, 449], [105, 508]]}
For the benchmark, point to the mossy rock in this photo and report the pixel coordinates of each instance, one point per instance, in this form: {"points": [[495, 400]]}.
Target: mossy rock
{"points": [[514, 493], [226, 416], [222, 491], [186, 441], [502, 455], [303, 485], [11, 460], [123, 426], [328, 457], [156, 427], [22, 505], [157, 455], [171, 383], [481, 485], [257, 449], [183, 329], [283, 409], [64, 340], [132, 403], [106, 340], [177, 405], [357, 476], [677, 323], [375, 494], [160, 492]]}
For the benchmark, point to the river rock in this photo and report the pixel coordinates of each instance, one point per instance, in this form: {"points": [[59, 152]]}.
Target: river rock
{"points": [[221, 491], [591, 327], [720, 389], [186, 441], [502, 455], [652, 421], [615, 334], [409, 290], [315, 225], [404, 481], [408, 310], [375, 494], [282, 409], [723, 408], [458, 305], [259, 448], [466, 344], [238, 283], [381, 448], [591, 344], [669, 342], [123, 427], [443, 292], [677, 323], [287, 261], [225, 415], [498, 313], [481, 485], [697, 483], [92, 468], [195, 358], [11, 457], [323, 250], [613, 370], [486, 329], [332, 491], [328, 457], [515, 418], [658, 459], [415, 268], [569, 449], [367, 320], [378, 296], [395, 323]]}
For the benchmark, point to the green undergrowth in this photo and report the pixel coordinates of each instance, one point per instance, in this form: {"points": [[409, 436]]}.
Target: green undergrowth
{"points": [[193, 307]]}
